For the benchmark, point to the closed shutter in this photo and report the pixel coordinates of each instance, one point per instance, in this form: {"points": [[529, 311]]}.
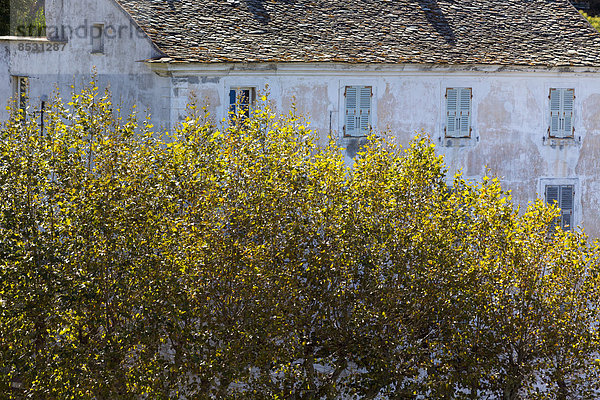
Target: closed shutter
{"points": [[554, 112], [568, 98], [552, 197], [563, 197], [357, 116], [566, 206], [561, 113], [451, 112], [458, 112], [365, 110], [465, 112], [552, 194], [350, 116]]}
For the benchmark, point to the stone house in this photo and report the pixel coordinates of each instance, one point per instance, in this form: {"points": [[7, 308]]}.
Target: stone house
{"points": [[509, 85]]}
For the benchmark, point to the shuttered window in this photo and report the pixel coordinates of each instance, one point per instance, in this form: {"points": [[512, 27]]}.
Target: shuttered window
{"points": [[241, 101], [357, 113], [563, 196], [458, 112], [561, 113]]}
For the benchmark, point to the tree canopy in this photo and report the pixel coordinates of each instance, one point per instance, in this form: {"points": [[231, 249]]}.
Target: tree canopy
{"points": [[594, 20], [245, 261], [22, 18]]}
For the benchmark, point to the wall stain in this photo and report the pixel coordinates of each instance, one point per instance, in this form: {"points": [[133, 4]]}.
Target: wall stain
{"points": [[312, 102]]}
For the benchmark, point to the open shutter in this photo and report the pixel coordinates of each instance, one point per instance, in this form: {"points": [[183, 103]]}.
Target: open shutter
{"points": [[566, 206], [451, 112], [554, 129], [232, 101], [465, 112], [567, 112], [350, 125], [241, 101], [364, 109]]}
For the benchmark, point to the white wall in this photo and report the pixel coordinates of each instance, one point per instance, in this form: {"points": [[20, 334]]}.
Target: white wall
{"points": [[510, 117], [5, 81], [52, 64]]}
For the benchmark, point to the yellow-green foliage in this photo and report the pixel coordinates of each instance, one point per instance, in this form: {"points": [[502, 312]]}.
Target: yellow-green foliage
{"points": [[249, 263], [595, 21], [22, 17]]}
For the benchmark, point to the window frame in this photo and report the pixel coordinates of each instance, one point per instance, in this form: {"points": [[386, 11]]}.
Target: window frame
{"points": [[458, 110], [97, 42], [20, 92], [549, 115], [559, 201], [357, 133], [235, 105], [545, 183]]}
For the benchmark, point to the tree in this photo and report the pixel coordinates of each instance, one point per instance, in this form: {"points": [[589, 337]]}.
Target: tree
{"points": [[249, 262], [22, 18], [593, 20]]}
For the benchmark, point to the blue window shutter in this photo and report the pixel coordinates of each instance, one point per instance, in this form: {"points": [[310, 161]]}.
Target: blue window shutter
{"points": [[566, 206], [561, 112], [567, 111], [563, 197], [364, 109], [566, 197], [552, 198], [452, 112], [357, 111], [232, 100], [555, 108], [350, 116], [552, 194], [465, 112]]}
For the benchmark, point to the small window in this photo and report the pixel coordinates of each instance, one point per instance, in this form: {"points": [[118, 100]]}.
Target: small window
{"points": [[21, 91], [357, 117], [563, 197], [97, 38], [241, 101], [458, 112], [561, 113]]}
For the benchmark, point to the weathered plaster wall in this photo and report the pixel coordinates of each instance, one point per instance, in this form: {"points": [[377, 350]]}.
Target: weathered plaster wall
{"points": [[62, 64], [510, 117], [5, 81]]}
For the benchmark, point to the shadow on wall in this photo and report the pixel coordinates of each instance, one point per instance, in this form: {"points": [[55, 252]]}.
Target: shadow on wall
{"points": [[258, 10], [436, 18]]}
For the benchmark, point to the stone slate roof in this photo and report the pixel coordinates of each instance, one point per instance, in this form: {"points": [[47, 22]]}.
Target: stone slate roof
{"points": [[548, 33]]}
